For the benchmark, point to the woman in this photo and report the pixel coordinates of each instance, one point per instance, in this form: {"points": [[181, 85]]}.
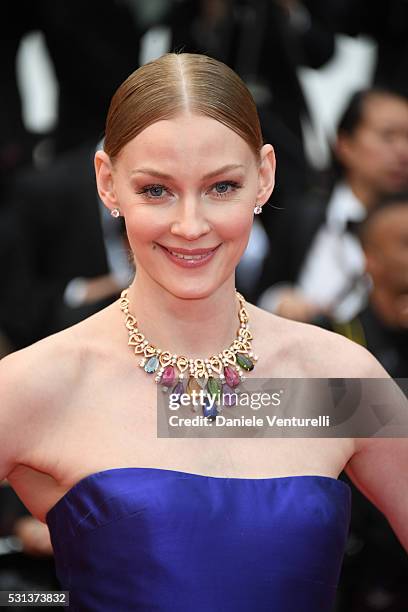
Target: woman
{"points": [[139, 522]]}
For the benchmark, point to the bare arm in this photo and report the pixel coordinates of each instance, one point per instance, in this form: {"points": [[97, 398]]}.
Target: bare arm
{"points": [[32, 382], [380, 471], [14, 410], [379, 467]]}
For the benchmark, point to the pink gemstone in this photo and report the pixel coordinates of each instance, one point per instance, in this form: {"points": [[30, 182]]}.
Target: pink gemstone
{"points": [[168, 376], [231, 376]]}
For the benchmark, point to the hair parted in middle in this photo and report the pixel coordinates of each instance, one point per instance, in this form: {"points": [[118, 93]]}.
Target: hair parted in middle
{"points": [[179, 83]]}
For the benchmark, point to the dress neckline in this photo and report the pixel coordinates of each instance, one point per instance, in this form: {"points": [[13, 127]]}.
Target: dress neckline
{"points": [[85, 479]]}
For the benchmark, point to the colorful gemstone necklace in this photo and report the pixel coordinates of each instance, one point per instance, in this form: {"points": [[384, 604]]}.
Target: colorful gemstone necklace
{"points": [[219, 374]]}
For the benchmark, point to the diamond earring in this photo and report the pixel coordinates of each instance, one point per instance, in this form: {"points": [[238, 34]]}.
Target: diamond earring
{"points": [[115, 212], [257, 209]]}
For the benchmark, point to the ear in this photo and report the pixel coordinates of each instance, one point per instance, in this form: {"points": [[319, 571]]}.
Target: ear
{"points": [[373, 264], [266, 179], [343, 148], [104, 179]]}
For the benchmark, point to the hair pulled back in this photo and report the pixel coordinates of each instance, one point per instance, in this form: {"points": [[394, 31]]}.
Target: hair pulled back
{"points": [[179, 83]]}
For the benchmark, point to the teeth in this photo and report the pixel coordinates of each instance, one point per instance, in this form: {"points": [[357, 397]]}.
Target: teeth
{"points": [[189, 256]]}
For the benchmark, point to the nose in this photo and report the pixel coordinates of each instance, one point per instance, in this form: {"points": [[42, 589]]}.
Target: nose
{"points": [[190, 221]]}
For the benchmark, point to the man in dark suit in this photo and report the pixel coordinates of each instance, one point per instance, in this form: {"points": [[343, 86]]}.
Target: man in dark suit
{"points": [[382, 325], [93, 47], [387, 24], [371, 160], [57, 236]]}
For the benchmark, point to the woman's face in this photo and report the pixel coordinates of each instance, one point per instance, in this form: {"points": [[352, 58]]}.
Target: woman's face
{"points": [[188, 183]]}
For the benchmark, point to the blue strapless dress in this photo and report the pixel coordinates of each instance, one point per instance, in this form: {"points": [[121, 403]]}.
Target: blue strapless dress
{"points": [[152, 539]]}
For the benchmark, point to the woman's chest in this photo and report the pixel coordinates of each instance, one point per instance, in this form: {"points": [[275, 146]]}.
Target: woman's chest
{"points": [[111, 423]]}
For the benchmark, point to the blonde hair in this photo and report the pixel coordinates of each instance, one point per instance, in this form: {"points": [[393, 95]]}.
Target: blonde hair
{"points": [[177, 83]]}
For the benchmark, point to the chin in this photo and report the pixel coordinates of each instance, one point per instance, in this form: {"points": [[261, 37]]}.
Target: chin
{"points": [[193, 292]]}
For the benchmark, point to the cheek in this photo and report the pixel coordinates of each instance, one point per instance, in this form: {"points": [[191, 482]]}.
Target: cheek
{"points": [[373, 155], [144, 224], [399, 259], [394, 262], [235, 225]]}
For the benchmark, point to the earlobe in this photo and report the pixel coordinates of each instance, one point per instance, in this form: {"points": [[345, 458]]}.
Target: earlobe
{"points": [[104, 179]]}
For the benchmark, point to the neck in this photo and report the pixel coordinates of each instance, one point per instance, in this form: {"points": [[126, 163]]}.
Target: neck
{"points": [[196, 328], [363, 192]]}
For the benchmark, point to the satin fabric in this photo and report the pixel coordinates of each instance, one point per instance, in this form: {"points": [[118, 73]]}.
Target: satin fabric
{"points": [[152, 539]]}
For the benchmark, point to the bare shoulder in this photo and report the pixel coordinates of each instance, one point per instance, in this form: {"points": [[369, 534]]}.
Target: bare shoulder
{"points": [[36, 383], [329, 354], [41, 370], [52, 365], [319, 352]]}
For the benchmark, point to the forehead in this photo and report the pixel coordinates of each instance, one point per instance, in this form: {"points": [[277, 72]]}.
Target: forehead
{"points": [[189, 140], [382, 109]]}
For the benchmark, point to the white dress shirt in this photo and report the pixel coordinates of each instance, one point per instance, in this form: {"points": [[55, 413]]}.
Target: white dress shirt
{"points": [[333, 272]]}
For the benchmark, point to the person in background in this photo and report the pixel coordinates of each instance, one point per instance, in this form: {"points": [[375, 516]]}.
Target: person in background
{"points": [[371, 152], [89, 58], [382, 325], [387, 24], [92, 46], [70, 265]]}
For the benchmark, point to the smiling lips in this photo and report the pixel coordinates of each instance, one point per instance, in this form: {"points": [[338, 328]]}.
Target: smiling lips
{"points": [[192, 256]]}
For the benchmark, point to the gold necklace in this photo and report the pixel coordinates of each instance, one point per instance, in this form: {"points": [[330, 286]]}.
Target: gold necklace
{"points": [[220, 373]]}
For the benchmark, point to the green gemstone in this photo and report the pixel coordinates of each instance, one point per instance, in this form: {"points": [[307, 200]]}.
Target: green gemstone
{"points": [[244, 362], [214, 386]]}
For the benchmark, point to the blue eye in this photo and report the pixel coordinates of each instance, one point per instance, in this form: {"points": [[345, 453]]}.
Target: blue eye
{"points": [[232, 184], [152, 189], [157, 188]]}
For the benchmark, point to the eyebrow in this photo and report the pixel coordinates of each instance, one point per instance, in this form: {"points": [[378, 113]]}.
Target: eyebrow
{"points": [[159, 174]]}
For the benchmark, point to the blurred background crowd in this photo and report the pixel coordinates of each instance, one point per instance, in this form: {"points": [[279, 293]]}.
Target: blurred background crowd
{"points": [[330, 79]]}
